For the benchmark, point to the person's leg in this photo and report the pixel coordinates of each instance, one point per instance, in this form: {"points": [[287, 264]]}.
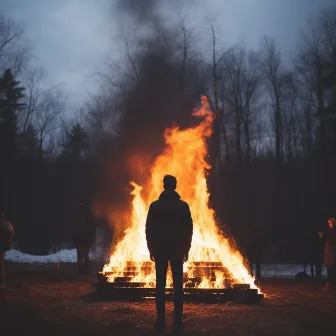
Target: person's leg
{"points": [[86, 253], [327, 286], [78, 256], [318, 270], [177, 271], [2, 268], [80, 259], [258, 268], [161, 266], [251, 267], [312, 270], [333, 277]]}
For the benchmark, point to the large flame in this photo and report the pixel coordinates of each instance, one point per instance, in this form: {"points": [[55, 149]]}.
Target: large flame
{"points": [[183, 157]]}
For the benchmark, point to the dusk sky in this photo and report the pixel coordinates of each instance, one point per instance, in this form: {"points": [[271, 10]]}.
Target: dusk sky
{"points": [[72, 37]]}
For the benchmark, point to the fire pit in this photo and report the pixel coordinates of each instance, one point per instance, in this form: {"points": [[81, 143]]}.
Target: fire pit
{"points": [[215, 270]]}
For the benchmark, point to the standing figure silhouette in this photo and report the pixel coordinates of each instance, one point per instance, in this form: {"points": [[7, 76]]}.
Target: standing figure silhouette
{"points": [[169, 229]]}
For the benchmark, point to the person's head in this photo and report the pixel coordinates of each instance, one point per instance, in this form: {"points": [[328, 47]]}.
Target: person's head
{"points": [[169, 182], [332, 222]]}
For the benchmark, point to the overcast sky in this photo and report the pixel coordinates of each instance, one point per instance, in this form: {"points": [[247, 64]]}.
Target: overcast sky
{"points": [[71, 37]]}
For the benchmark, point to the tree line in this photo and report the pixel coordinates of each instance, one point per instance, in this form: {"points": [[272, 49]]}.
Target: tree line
{"points": [[272, 151]]}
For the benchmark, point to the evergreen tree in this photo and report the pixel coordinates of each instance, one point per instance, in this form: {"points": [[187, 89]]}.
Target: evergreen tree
{"points": [[11, 94], [29, 145], [76, 142]]}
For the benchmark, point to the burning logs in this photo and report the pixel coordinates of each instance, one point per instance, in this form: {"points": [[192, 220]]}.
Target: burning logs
{"points": [[123, 287]]}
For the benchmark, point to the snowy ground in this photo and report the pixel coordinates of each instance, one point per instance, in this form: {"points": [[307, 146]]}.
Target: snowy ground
{"points": [[284, 270], [70, 256], [63, 256]]}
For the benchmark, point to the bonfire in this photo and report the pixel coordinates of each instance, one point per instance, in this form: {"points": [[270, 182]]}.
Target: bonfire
{"points": [[213, 262]]}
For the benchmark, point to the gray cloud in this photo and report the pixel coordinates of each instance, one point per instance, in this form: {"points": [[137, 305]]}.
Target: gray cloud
{"points": [[71, 37]]}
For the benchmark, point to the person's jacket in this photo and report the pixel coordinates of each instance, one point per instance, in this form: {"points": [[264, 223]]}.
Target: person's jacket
{"points": [[83, 238], [6, 235], [315, 250], [169, 226], [330, 248]]}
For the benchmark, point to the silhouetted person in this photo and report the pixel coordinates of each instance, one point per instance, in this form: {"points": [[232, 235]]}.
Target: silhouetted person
{"points": [[169, 229], [329, 238], [254, 253], [315, 255], [83, 241], [6, 239]]}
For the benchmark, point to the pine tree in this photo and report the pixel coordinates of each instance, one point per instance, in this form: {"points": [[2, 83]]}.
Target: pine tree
{"points": [[11, 94], [76, 142], [29, 144]]}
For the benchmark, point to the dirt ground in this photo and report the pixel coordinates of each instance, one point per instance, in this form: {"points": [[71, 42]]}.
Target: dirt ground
{"points": [[44, 300]]}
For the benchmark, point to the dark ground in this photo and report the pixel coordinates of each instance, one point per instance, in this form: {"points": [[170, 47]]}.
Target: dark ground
{"points": [[44, 300]]}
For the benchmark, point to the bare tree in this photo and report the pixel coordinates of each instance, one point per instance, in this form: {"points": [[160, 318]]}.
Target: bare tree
{"points": [[316, 58], [233, 65], [14, 52], [102, 117], [291, 116], [46, 116], [217, 98], [44, 103], [271, 67], [186, 43], [243, 75], [34, 85], [251, 90]]}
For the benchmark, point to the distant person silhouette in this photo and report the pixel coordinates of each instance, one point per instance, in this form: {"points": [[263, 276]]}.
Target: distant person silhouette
{"points": [[83, 240], [6, 237], [255, 252], [169, 229], [315, 255], [329, 238]]}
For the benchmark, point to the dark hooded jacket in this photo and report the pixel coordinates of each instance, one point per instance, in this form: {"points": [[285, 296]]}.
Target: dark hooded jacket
{"points": [[6, 236], [330, 248], [83, 238], [315, 250], [169, 226]]}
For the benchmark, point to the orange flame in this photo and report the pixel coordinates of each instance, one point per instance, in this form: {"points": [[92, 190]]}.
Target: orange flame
{"points": [[184, 157]]}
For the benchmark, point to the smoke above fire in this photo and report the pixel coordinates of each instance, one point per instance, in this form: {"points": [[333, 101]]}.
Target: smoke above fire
{"points": [[157, 89]]}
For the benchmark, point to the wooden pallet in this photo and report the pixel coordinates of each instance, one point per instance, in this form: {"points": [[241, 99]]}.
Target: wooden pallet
{"points": [[123, 288], [135, 291]]}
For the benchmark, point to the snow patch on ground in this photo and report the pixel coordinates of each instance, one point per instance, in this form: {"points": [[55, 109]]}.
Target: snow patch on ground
{"points": [[63, 256], [284, 270]]}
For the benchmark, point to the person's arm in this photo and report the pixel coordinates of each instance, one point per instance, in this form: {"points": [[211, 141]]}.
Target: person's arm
{"points": [[188, 231], [150, 224], [11, 231]]}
